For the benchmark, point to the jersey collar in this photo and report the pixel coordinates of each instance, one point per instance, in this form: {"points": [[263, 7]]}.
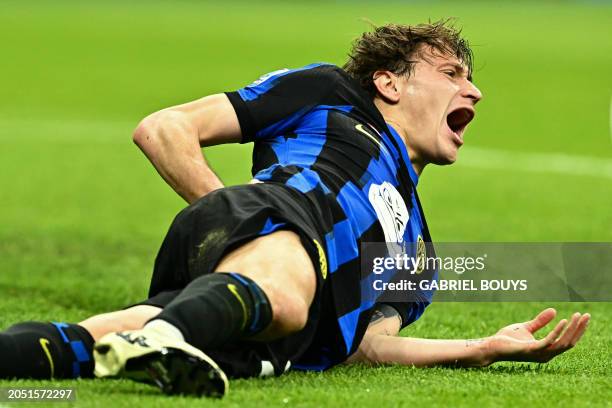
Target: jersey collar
{"points": [[404, 153]]}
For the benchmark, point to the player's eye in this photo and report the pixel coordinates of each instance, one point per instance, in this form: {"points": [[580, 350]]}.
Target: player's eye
{"points": [[451, 74]]}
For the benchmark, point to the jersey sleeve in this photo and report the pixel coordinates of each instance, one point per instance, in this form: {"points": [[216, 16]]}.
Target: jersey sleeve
{"points": [[413, 308], [275, 103], [409, 311]]}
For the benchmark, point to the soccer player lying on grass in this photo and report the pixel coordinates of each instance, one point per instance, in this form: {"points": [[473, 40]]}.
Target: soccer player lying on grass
{"points": [[254, 279]]}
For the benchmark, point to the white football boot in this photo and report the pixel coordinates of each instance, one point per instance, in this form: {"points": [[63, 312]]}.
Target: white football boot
{"points": [[148, 355]]}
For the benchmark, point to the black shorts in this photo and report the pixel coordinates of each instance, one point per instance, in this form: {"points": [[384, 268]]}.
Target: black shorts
{"points": [[221, 221]]}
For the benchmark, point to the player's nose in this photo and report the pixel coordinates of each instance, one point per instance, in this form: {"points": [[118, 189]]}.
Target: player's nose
{"points": [[472, 92]]}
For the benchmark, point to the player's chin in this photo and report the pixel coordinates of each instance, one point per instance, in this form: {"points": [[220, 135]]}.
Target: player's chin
{"points": [[447, 154]]}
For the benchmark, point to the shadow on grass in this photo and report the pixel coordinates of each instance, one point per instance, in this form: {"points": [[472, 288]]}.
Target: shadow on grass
{"points": [[503, 368], [526, 368]]}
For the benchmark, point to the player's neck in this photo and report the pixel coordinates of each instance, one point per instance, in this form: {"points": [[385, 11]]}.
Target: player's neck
{"points": [[395, 119], [416, 163]]}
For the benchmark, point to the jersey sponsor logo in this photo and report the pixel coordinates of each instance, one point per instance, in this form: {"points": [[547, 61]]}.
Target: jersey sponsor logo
{"points": [[390, 209], [269, 75], [44, 343]]}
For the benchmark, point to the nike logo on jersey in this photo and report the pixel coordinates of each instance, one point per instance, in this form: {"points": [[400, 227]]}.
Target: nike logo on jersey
{"points": [[362, 130]]}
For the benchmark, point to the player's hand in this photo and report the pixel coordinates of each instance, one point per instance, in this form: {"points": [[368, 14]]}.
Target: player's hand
{"points": [[516, 342]]}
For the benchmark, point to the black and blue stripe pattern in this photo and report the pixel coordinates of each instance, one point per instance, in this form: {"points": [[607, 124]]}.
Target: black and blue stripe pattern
{"points": [[81, 355], [318, 132]]}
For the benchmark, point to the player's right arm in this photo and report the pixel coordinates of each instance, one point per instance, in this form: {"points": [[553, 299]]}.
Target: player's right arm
{"points": [[270, 106], [172, 139]]}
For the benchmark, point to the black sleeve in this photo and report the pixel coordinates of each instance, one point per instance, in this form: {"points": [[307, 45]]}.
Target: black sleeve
{"points": [[385, 311], [409, 312], [275, 103]]}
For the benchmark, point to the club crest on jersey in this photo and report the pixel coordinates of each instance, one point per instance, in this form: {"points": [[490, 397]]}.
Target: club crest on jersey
{"points": [[390, 209], [269, 75]]}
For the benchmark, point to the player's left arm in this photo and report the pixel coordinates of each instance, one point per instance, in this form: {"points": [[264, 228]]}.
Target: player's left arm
{"points": [[386, 321], [515, 342]]}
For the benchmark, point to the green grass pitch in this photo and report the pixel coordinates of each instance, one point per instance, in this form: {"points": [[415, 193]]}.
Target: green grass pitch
{"points": [[82, 213]]}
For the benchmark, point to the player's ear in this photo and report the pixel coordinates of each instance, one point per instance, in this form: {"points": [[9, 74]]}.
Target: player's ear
{"points": [[386, 83]]}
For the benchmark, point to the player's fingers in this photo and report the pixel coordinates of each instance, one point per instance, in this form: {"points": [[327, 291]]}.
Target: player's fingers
{"points": [[541, 320], [552, 336], [565, 340], [582, 326]]}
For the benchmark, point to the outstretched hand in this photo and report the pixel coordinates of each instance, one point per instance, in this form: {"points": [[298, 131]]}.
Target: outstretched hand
{"points": [[516, 342]]}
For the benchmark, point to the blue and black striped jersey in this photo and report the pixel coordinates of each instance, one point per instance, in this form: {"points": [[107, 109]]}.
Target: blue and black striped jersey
{"points": [[316, 130]]}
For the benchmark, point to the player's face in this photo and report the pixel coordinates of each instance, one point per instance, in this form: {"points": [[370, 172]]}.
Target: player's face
{"points": [[437, 103]]}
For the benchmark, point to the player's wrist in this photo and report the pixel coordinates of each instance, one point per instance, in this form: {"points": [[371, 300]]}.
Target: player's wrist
{"points": [[482, 351], [488, 353]]}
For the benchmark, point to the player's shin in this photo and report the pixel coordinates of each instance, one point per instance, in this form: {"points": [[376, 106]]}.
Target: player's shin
{"points": [[46, 350]]}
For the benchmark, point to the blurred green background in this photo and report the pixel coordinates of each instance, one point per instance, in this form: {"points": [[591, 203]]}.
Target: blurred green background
{"points": [[76, 78], [82, 212]]}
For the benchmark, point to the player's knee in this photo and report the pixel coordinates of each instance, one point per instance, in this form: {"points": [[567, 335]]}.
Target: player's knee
{"points": [[289, 313], [283, 270]]}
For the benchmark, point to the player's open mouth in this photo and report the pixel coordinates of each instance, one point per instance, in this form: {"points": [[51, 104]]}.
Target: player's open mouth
{"points": [[458, 120]]}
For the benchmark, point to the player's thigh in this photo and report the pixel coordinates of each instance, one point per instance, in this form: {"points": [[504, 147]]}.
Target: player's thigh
{"points": [[280, 265], [133, 318]]}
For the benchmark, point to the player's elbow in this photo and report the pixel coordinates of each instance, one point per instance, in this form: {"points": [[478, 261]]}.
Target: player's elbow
{"points": [[159, 128], [142, 132], [148, 130]]}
